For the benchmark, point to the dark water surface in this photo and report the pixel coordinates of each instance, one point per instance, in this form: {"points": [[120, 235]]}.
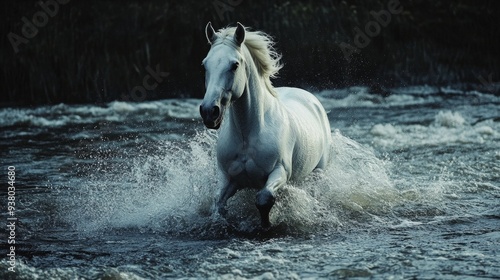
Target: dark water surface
{"points": [[126, 191]]}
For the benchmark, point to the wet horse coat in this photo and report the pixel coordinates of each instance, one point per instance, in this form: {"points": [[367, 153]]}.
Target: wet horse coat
{"points": [[271, 135]]}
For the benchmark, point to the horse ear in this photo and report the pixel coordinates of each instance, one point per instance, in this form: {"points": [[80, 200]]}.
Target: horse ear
{"points": [[210, 33], [239, 34]]}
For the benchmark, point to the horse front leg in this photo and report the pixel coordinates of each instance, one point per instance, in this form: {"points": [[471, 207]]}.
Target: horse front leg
{"points": [[226, 192], [265, 197]]}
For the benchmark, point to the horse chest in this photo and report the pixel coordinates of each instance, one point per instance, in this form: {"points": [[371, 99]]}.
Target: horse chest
{"points": [[246, 165]]}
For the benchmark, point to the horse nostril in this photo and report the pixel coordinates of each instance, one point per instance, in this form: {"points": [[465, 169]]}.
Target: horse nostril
{"points": [[215, 112]]}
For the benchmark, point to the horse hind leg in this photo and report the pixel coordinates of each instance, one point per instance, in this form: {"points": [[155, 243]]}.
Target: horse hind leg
{"points": [[323, 161]]}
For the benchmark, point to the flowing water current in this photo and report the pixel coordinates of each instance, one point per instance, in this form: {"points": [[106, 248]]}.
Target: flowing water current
{"points": [[126, 191]]}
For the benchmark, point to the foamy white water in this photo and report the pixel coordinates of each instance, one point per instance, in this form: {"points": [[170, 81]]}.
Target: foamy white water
{"points": [[126, 191]]}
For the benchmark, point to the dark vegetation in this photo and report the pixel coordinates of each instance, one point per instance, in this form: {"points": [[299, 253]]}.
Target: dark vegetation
{"points": [[98, 50]]}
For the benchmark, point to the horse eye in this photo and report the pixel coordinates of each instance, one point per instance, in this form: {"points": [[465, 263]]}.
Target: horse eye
{"points": [[234, 66]]}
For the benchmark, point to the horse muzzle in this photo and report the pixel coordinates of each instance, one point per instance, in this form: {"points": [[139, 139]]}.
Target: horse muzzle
{"points": [[212, 115]]}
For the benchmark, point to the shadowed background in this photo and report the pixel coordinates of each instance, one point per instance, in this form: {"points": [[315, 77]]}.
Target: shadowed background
{"points": [[98, 51]]}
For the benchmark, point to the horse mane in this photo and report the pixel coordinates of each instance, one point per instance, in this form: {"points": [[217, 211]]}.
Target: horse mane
{"points": [[261, 48]]}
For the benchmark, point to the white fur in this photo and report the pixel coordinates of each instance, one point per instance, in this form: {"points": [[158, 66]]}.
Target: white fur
{"points": [[269, 135]]}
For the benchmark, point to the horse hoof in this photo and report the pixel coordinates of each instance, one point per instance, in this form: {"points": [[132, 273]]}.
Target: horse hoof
{"points": [[265, 224]]}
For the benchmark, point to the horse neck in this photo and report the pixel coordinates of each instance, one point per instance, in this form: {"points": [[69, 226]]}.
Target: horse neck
{"points": [[248, 112]]}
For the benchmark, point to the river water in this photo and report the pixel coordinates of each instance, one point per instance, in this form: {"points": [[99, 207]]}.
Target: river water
{"points": [[126, 191]]}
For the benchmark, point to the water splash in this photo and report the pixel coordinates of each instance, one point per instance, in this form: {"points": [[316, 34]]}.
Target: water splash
{"points": [[173, 189], [157, 189], [354, 189]]}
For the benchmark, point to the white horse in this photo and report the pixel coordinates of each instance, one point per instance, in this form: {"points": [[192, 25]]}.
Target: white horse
{"points": [[271, 135]]}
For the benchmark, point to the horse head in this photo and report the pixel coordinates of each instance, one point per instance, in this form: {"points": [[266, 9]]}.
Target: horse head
{"points": [[225, 75]]}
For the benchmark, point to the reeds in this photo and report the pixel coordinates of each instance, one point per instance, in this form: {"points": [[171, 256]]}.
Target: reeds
{"points": [[96, 51]]}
